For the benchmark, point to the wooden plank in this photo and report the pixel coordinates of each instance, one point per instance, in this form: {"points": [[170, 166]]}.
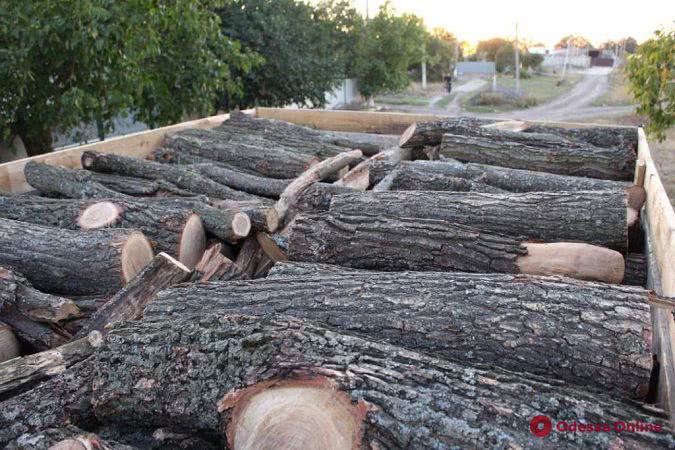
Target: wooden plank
{"points": [[376, 122], [136, 144]]}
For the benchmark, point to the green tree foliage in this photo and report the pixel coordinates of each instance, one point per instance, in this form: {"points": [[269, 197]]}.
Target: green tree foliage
{"points": [[629, 44], [440, 53], [488, 49], [505, 58], [531, 61], [574, 41], [68, 62], [388, 45], [306, 49], [651, 73]]}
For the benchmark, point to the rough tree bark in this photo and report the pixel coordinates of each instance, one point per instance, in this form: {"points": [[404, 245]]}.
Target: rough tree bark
{"points": [[594, 217], [21, 374], [71, 262], [271, 160], [284, 269], [60, 181], [540, 152], [179, 373], [443, 175], [35, 336], [423, 134], [266, 187], [262, 218], [67, 437], [311, 141], [592, 334], [636, 269], [403, 243], [162, 272], [182, 176], [623, 137]]}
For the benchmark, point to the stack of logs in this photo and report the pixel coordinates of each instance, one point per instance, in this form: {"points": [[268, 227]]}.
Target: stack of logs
{"points": [[266, 285]]}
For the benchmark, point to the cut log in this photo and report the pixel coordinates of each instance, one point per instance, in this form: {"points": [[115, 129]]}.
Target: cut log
{"points": [[442, 176], [9, 345], [594, 217], [636, 270], [311, 141], [71, 262], [17, 293], [540, 152], [637, 196], [266, 187], [182, 176], [35, 336], [387, 391], [163, 221], [162, 272], [60, 181], [398, 243], [318, 172], [68, 437], [508, 125], [422, 134], [262, 218], [21, 374], [591, 334], [215, 266], [360, 177], [317, 198], [270, 160], [623, 137], [271, 248], [250, 256]]}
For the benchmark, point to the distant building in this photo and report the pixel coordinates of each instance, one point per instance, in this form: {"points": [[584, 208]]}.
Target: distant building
{"points": [[577, 57]]}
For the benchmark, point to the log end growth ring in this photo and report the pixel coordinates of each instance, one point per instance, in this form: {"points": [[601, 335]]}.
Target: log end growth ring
{"points": [[241, 225], [192, 242], [294, 415], [9, 345], [99, 215], [136, 254]]}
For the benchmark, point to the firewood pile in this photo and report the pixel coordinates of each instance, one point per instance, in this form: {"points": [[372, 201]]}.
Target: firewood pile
{"points": [[264, 285]]}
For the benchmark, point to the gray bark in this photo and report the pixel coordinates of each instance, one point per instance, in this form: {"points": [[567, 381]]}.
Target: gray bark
{"points": [[45, 440], [636, 269], [443, 175], [623, 137], [595, 217], [271, 160], [60, 181], [400, 243], [180, 370], [266, 187], [183, 177], [591, 334], [284, 269], [64, 261], [540, 152], [422, 134], [36, 335]]}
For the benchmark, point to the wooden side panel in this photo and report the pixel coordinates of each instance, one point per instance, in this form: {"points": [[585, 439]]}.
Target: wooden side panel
{"points": [[661, 224], [137, 144]]}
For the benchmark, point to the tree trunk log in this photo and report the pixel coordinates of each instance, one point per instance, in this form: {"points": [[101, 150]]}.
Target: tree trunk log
{"points": [[271, 160], [71, 262], [157, 381], [622, 137], [591, 334], [398, 243], [422, 134], [266, 187], [318, 172], [443, 175], [636, 270], [59, 181], [215, 266], [597, 217], [184, 178], [312, 141], [36, 336], [17, 293], [539, 152], [262, 218], [21, 374], [162, 272], [284, 269]]}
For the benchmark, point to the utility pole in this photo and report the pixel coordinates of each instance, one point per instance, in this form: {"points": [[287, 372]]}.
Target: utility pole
{"points": [[517, 62], [367, 17]]}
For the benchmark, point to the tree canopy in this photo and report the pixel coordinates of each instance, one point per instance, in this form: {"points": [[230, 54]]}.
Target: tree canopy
{"points": [[651, 71], [574, 41], [386, 47], [488, 49], [306, 49], [88, 61]]}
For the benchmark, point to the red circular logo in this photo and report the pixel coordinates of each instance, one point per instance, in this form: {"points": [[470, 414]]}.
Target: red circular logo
{"points": [[541, 426]]}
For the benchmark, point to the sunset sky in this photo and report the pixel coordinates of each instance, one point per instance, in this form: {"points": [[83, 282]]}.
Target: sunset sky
{"points": [[545, 21]]}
